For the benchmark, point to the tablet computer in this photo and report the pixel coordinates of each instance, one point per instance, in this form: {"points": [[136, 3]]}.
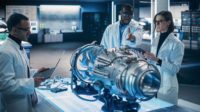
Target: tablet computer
{"points": [[47, 73]]}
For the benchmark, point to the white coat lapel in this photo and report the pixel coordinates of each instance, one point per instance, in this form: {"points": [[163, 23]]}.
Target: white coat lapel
{"points": [[165, 43], [155, 43], [22, 53], [117, 34]]}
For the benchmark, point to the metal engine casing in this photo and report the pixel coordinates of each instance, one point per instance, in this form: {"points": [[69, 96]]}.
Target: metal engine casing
{"points": [[124, 72]]}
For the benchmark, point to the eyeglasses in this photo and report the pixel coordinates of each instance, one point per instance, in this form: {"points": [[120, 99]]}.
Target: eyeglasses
{"points": [[159, 21], [126, 15], [23, 29]]}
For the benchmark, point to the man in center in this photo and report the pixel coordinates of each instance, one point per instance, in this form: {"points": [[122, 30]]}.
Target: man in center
{"points": [[125, 32]]}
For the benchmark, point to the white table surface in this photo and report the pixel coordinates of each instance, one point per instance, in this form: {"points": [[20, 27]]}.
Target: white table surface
{"points": [[68, 102]]}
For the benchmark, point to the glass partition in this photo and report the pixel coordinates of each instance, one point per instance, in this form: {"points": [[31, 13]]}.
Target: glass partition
{"points": [[60, 18]]}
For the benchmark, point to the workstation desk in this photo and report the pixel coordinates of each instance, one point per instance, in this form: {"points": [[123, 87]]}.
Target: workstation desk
{"points": [[67, 101]]}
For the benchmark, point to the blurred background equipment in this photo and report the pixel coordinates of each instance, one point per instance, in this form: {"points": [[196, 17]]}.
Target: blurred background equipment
{"points": [[3, 30], [120, 78]]}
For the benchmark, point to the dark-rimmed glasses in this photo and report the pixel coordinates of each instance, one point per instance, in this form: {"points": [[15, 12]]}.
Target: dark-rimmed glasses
{"points": [[159, 21], [23, 29], [126, 14]]}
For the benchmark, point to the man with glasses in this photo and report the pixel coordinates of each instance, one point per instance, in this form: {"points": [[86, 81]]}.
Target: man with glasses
{"points": [[16, 85], [125, 32]]}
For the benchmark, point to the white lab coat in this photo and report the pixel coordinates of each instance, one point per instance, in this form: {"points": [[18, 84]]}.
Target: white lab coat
{"points": [[171, 53], [111, 37], [15, 87]]}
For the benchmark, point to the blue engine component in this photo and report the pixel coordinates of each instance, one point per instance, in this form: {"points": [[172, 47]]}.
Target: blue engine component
{"points": [[121, 77]]}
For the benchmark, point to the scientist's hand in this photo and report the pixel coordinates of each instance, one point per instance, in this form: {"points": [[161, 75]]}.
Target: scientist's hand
{"points": [[42, 69], [131, 37], [38, 81], [150, 56]]}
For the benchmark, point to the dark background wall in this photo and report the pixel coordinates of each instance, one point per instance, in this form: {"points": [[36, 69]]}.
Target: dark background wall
{"points": [[2, 11], [96, 16]]}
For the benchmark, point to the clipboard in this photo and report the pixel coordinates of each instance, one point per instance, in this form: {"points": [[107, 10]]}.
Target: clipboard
{"points": [[47, 73]]}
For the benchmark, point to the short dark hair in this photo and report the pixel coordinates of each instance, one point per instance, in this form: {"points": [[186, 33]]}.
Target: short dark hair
{"points": [[167, 15], [128, 8], [15, 20]]}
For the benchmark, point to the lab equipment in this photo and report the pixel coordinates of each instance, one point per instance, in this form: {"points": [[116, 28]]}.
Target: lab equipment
{"points": [[120, 78]]}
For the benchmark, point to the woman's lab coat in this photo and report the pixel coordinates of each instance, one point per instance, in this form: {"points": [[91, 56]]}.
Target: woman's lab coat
{"points": [[15, 87], [111, 36], [171, 53]]}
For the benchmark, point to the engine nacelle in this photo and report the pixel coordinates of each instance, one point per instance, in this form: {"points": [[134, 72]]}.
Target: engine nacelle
{"points": [[124, 72]]}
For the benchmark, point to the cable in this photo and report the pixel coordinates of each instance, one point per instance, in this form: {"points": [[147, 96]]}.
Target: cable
{"points": [[79, 95]]}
